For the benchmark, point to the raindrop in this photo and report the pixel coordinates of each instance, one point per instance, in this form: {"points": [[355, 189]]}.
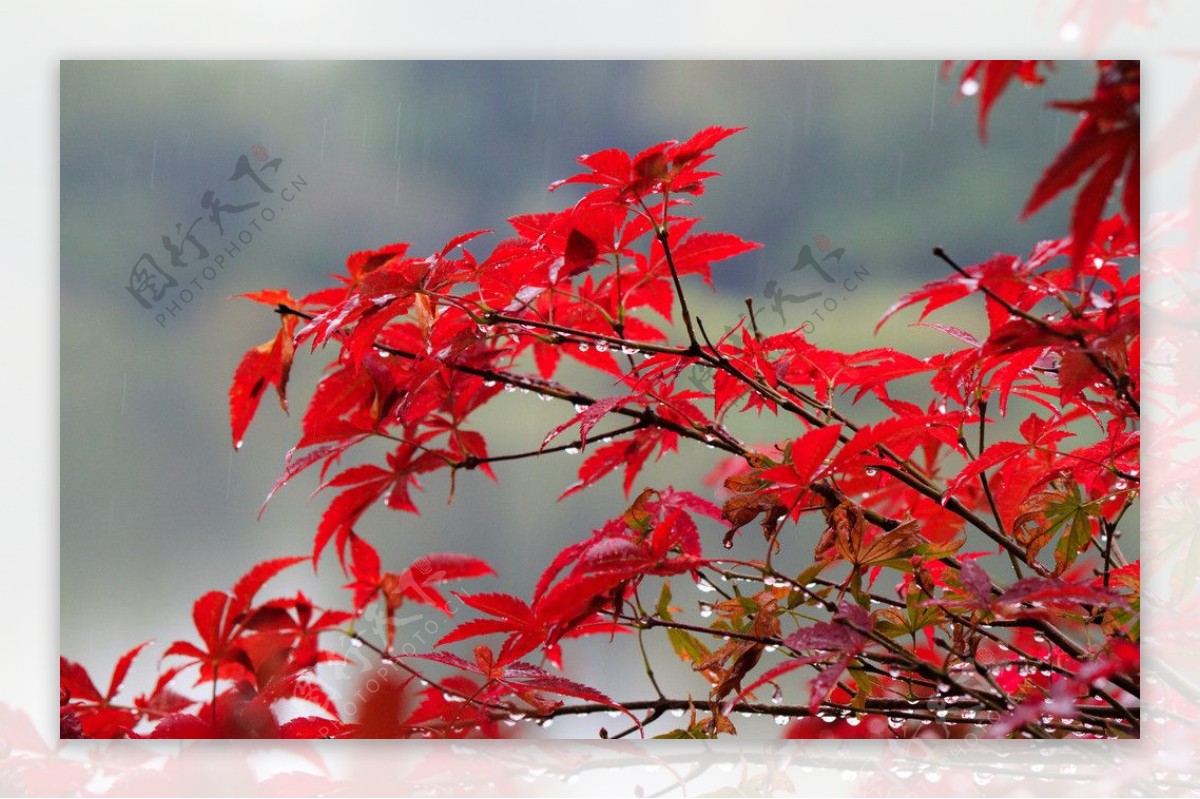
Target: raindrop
{"points": [[777, 696], [238, 445], [509, 388], [941, 713], [969, 87], [627, 350], [895, 722], [933, 776], [572, 450], [705, 586], [870, 472], [356, 643], [579, 408], [982, 778], [677, 713], [584, 347], [943, 687], [515, 717], [1120, 485], [544, 397], [706, 610], [781, 720], [489, 383], [853, 721], [601, 346]]}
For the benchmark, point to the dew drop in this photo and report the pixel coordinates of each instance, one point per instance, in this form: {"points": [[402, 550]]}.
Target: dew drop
{"points": [[601, 346], [238, 445], [677, 713], [572, 450], [489, 383], [704, 586], [969, 87], [356, 643], [627, 350], [706, 610], [895, 723], [583, 347], [853, 721], [781, 720], [870, 472]]}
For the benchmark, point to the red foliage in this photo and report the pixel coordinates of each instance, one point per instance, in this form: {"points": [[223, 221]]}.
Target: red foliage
{"points": [[1045, 631]]}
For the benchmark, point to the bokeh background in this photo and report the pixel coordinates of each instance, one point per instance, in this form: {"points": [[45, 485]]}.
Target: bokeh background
{"points": [[156, 508]]}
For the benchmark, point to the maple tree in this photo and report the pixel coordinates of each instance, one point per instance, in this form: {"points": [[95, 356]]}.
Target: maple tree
{"points": [[963, 584]]}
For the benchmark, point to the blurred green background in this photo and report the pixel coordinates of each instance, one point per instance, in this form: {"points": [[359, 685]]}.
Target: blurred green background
{"points": [[877, 158]]}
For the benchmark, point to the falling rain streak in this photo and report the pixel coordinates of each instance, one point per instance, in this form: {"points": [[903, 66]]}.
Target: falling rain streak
{"points": [[934, 94]]}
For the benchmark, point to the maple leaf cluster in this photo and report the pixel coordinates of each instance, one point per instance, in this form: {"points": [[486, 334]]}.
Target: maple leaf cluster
{"points": [[956, 581]]}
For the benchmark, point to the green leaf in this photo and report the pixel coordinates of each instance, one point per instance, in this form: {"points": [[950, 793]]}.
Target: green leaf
{"points": [[1074, 516], [687, 646], [691, 733], [663, 608]]}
